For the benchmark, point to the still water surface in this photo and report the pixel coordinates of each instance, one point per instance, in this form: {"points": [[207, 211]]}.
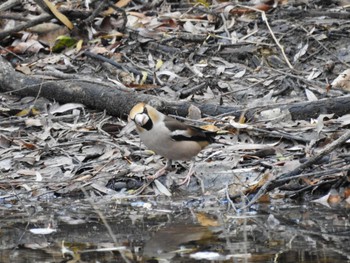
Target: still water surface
{"points": [[145, 231]]}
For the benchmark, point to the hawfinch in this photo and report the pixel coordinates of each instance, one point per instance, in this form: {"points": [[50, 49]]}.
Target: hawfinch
{"points": [[168, 137]]}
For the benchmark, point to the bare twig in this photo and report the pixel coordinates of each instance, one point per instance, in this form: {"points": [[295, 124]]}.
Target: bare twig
{"points": [[283, 178], [117, 65], [22, 26], [103, 218], [9, 4], [264, 18]]}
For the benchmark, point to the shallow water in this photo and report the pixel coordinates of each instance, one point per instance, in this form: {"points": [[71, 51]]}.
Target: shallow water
{"points": [[140, 230]]}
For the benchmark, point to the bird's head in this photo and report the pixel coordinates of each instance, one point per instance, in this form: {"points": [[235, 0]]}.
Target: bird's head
{"points": [[144, 115]]}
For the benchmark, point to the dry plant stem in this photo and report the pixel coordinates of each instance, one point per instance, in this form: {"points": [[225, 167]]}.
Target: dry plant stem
{"points": [[125, 17], [165, 50], [9, 4], [141, 189], [132, 62], [117, 65], [316, 84], [327, 150], [277, 134], [191, 37], [96, 11], [13, 16], [103, 218], [230, 202], [264, 18], [325, 48], [274, 183], [13, 54], [54, 73], [192, 90], [55, 118], [224, 25], [36, 21], [310, 187], [316, 174]]}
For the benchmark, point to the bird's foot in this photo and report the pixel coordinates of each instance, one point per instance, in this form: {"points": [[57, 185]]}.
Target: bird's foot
{"points": [[160, 172], [187, 178]]}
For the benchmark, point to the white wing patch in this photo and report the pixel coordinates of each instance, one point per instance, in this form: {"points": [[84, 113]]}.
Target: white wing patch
{"points": [[182, 133]]}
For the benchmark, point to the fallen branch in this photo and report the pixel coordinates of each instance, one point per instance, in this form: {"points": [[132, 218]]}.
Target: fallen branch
{"points": [[118, 102], [286, 177]]}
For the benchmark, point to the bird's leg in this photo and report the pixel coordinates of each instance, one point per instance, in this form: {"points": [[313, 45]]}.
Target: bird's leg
{"points": [[188, 176], [160, 172]]}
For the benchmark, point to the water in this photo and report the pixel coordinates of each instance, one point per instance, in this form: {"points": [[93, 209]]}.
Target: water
{"points": [[148, 230]]}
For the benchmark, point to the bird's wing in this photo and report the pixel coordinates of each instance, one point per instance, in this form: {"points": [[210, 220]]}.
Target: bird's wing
{"points": [[182, 132]]}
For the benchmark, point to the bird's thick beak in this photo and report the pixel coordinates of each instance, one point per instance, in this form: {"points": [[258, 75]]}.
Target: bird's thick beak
{"points": [[141, 119]]}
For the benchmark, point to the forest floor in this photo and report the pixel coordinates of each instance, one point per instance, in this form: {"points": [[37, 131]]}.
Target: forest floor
{"points": [[271, 79]]}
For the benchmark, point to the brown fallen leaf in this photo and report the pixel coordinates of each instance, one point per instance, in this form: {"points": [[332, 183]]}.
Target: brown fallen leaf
{"points": [[119, 4], [205, 219], [334, 197], [342, 81], [61, 17]]}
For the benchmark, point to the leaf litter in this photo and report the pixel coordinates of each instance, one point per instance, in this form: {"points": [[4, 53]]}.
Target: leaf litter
{"points": [[64, 150]]}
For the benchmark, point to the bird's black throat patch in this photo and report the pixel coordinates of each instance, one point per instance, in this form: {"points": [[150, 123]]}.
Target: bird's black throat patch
{"points": [[148, 125]]}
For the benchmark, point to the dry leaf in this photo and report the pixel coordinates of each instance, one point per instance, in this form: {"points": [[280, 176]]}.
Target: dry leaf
{"points": [[5, 164], [61, 17], [301, 52], [161, 188], [240, 74], [42, 231], [4, 142], [344, 120], [322, 200], [28, 112], [334, 197], [206, 219], [159, 64], [347, 200], [310, 95], [33, 122], [26, 172], [66, 107], [194, 113], [320, 123], [314, 74], [210, 128], [342, 81], [24, 69], [31, 46], [120, 4], [346, 192]]}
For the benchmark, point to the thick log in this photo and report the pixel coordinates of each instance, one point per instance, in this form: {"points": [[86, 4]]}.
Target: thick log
{"points": [[102, 97], [118, 103]]}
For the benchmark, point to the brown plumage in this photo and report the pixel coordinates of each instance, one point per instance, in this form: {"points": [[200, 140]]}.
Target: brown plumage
{"points": [[168, 137]]}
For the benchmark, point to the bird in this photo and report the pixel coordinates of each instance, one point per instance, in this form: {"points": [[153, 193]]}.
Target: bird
{"points": [[169, 137]]}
